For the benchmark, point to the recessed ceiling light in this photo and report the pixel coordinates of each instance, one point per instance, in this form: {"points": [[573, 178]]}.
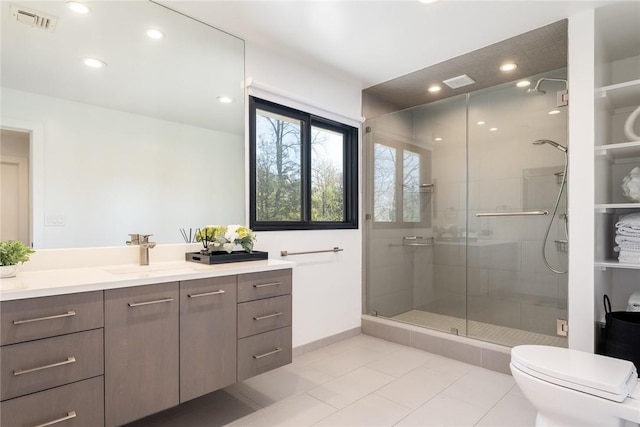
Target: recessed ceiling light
{"points": [[509, 66], [93, 62], [552, 112], [155, 34], [523, 83], [434, 89], [480, 123], [493, 129], [437, 138], [225, 99], [78, 7]]}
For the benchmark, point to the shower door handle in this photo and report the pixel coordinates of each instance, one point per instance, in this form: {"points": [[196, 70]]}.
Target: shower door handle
{"points": [[523, 213]]}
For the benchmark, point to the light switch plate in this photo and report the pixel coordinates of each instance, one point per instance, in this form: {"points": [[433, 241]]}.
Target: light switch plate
{"points": [[56, 220]]}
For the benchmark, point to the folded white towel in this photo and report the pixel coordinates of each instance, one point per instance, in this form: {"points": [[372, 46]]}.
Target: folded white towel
{"points": [[634, 302], [626, 231], [625, 257], [627, 239], [627, 249], [631, 220]]}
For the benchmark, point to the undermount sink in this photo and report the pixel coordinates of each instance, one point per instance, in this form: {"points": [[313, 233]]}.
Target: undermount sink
{"points": [[177, 269]]}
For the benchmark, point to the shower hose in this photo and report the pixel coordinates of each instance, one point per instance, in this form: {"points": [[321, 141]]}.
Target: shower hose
{"points": [[553, 215]]}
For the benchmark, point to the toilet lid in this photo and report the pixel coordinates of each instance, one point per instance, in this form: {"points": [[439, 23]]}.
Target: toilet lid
{"points": [[590, 373]]}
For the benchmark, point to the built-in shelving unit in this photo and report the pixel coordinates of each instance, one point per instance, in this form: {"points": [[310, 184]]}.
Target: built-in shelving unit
{"points": [[616, 264], [620, 95], [622, 150], [617, 94]]}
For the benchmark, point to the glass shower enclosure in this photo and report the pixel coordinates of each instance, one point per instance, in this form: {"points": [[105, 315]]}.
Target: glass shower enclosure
{"points": [[460, 205]]}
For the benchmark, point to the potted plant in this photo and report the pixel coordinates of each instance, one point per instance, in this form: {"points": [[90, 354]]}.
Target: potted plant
{"points": [[12, 253]]}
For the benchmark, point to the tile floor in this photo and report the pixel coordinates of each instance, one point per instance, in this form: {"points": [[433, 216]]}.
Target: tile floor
{"points": [[361, 381]]}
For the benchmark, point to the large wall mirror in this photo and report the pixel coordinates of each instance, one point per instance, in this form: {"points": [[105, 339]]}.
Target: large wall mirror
{"points": [[151, 142]]}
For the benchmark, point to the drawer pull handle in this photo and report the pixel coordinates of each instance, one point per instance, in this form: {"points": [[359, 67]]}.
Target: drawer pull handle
{"points": [[264, 285], [55, 316], [159, 301], [39, 368], [268, 316], [70, 415], [260, 356], [206, 294]]}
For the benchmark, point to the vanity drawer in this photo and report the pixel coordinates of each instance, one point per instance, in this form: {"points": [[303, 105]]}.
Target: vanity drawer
{"points": [[80, 404], [265, 284], [37, 365], [263, 315], [263, 352], [34, 318]]}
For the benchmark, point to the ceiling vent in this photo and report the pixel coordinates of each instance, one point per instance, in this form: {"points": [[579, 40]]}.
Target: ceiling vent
{"points": [[460, 81], [33, 18]]}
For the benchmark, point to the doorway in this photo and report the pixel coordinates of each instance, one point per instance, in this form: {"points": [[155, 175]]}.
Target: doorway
{"points": [[15, 187]]}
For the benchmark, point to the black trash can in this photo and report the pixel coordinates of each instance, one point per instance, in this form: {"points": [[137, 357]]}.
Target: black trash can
{"points": [[622, 334]]}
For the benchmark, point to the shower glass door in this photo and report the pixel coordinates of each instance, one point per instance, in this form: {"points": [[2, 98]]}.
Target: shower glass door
{"points": [[415, 213], [513, 186], [458, 203]]}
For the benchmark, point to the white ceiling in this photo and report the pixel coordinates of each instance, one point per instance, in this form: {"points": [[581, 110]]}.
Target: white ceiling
{"points": [[373, 41], [177, 78], [368, 41]]}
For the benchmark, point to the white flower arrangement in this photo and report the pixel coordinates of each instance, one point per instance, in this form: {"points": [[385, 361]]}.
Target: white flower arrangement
{"points": [[218, 237]]}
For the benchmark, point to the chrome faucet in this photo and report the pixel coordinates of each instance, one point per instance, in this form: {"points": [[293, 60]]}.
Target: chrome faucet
{"points": [[142, 240]]}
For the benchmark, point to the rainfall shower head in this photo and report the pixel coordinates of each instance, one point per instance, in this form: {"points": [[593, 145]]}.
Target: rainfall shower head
{"points": [[552, 143], [537, 91]]}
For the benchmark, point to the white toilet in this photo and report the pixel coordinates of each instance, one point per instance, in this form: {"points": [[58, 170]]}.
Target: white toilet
{"points": [[573, 388]]}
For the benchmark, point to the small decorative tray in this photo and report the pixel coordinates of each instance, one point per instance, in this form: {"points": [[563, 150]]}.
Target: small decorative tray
{"points": [[221, 257]]}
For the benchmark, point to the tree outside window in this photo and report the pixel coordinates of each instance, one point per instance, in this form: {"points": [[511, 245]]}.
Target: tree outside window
{"points": [[303, 170]]}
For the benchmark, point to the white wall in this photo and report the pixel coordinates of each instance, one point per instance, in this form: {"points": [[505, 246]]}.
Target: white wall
{"points": [[108, 173], [580, 190], [327, 292]]}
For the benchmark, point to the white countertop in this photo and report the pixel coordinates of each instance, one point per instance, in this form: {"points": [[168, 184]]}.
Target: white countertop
{"points": [[30, 284]]}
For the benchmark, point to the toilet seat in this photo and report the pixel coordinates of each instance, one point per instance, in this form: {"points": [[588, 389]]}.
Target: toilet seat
{"points": [[601, 376]]}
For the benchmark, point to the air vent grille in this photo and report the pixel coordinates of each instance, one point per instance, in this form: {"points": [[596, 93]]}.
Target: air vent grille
{"points": [[459, 81], [33, 18]]}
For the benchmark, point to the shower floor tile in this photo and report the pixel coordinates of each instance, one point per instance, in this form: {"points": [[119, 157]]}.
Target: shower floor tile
{"points": [[484, 331]]}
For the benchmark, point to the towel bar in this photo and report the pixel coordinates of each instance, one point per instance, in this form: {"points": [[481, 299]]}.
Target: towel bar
{"points": [[523, 213], [287, 253]]}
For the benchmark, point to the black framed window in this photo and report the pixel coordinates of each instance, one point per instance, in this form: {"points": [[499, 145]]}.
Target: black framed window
{"points": [[303, 170]]}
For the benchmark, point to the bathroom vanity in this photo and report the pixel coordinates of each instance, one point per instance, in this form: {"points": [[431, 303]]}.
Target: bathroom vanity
{"points": [[107, 346]]}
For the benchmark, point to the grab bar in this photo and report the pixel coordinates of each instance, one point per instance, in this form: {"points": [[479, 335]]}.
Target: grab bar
{"points": [[287, 253], [415, 241], [523, 213]]}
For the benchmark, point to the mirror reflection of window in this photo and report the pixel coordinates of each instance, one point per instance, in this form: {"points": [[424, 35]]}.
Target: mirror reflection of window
{"points": [[411, 187], [384, 184], [401, 185]]}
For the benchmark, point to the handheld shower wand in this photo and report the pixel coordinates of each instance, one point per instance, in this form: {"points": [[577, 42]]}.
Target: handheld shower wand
{"points": [[552, 143], [555, 209]]}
